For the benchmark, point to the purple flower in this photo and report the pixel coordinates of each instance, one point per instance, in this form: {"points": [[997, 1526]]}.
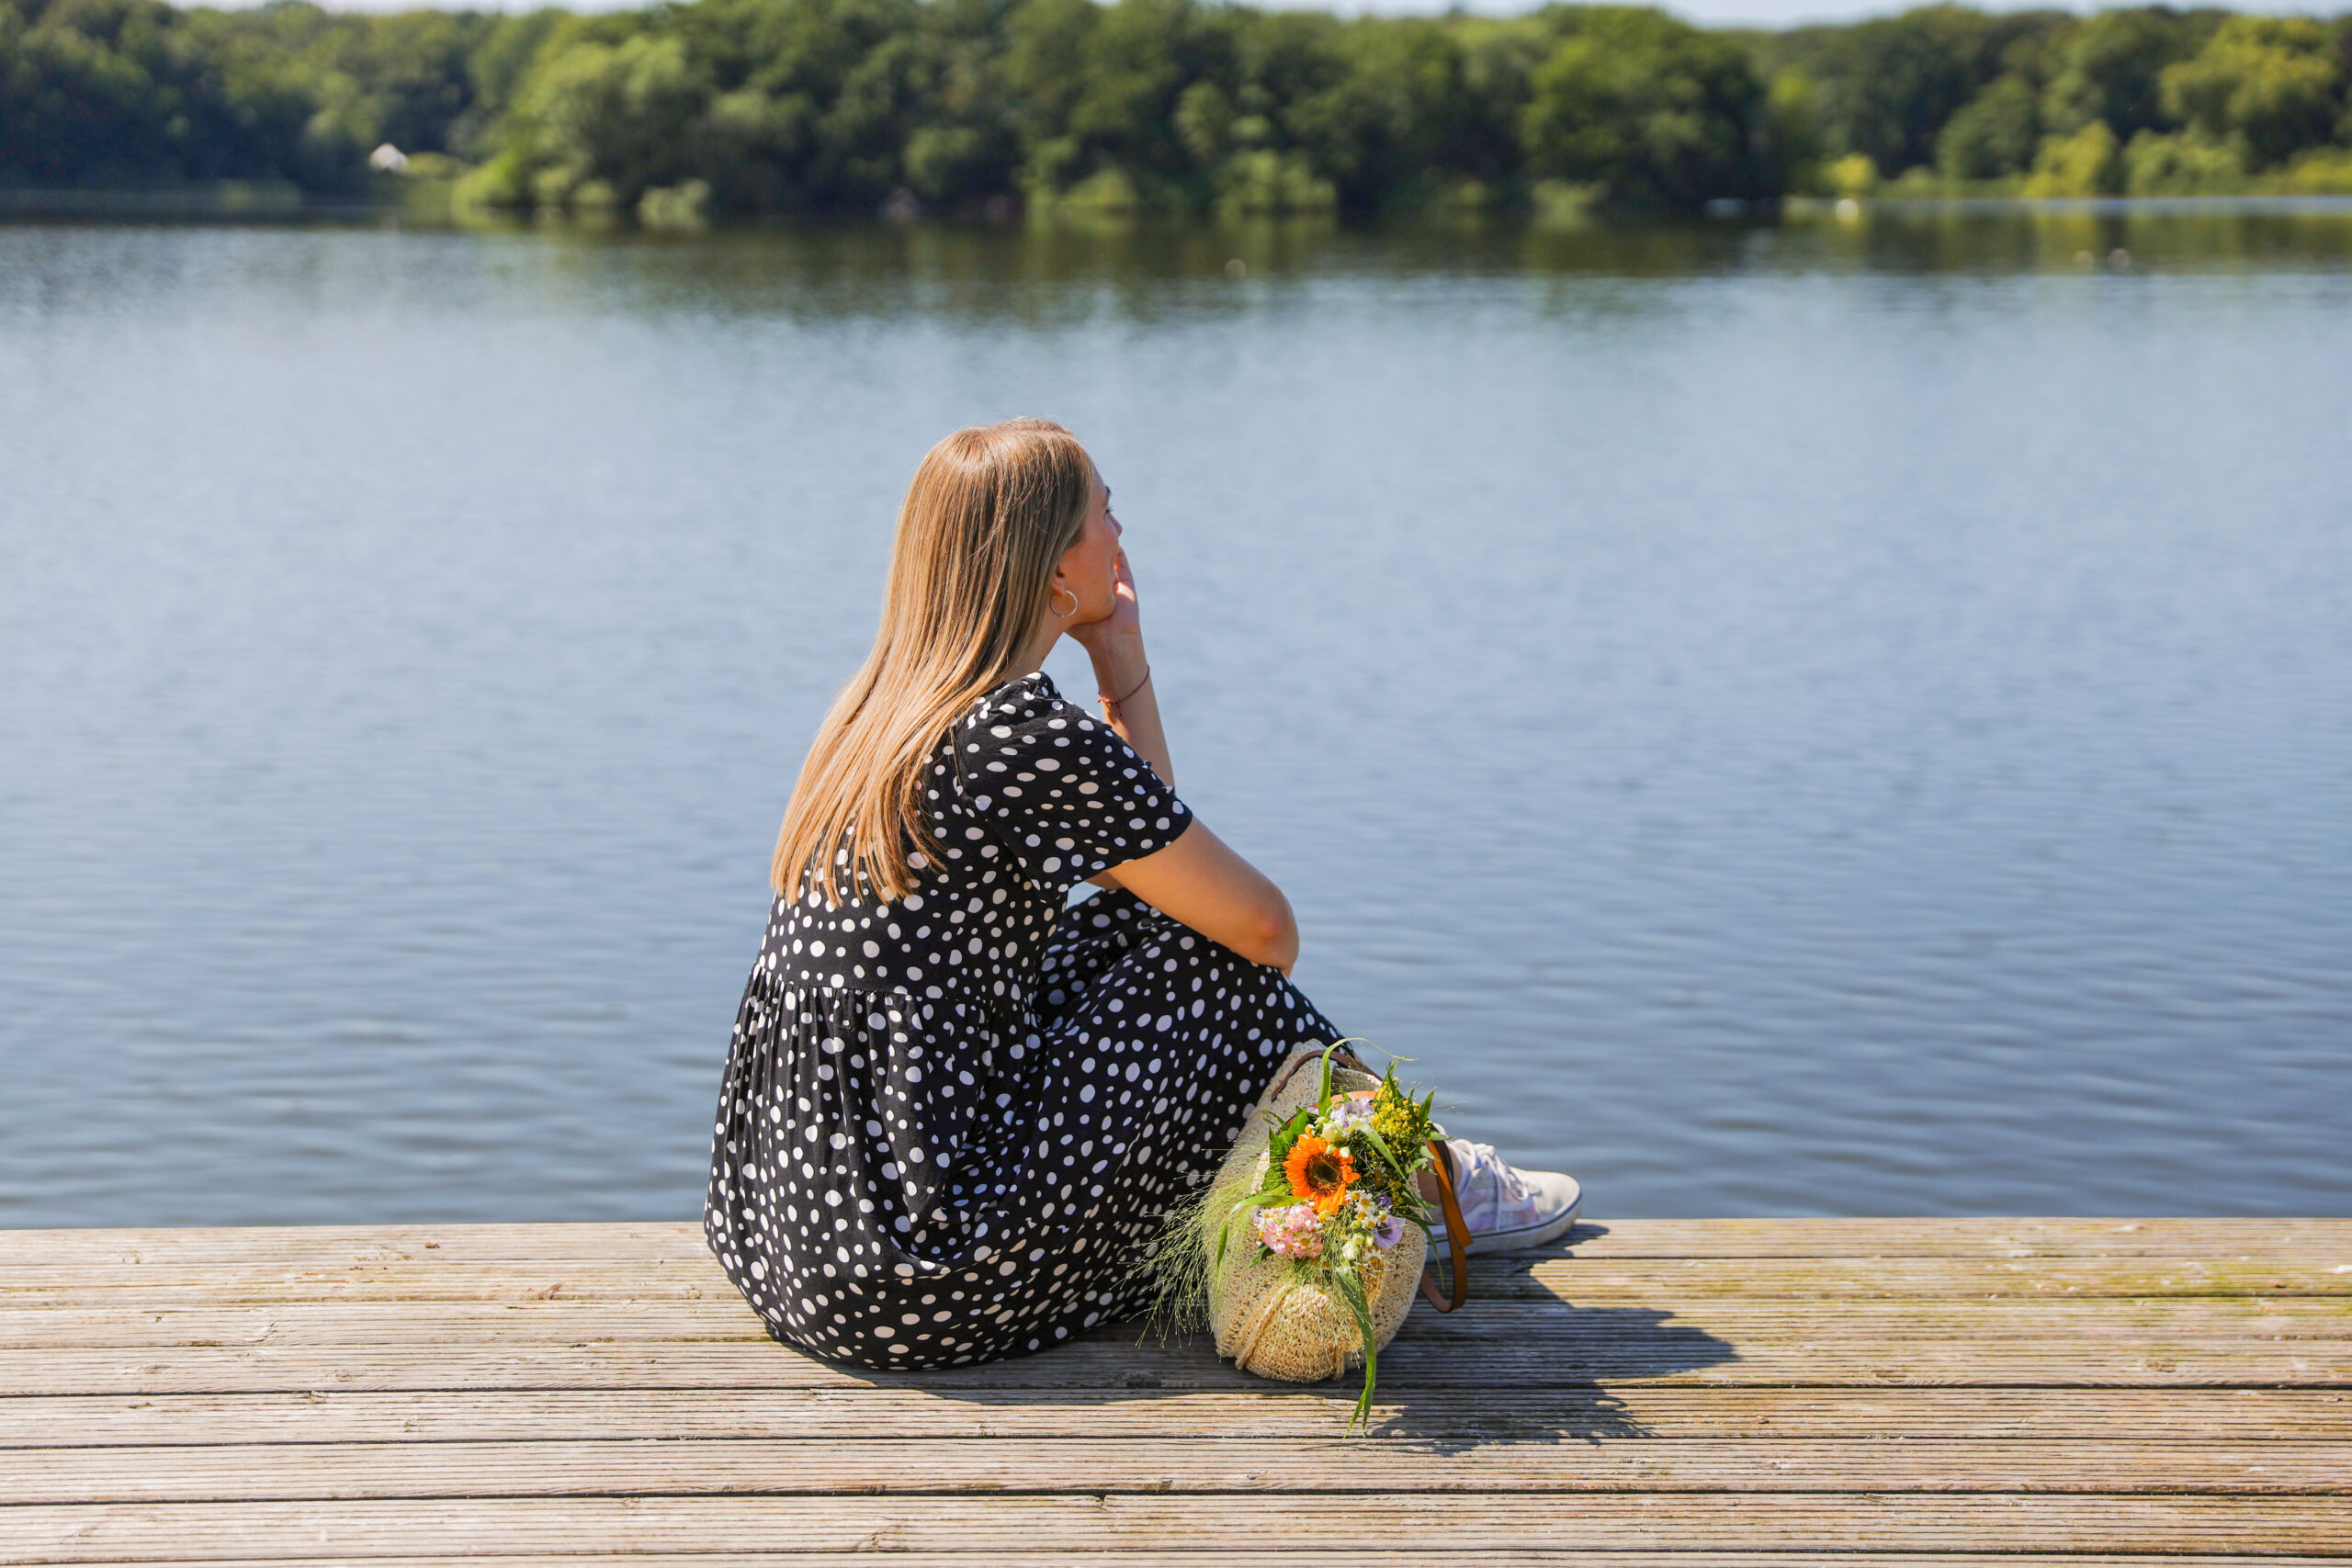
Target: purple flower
{"points": [[1388, 1232]]}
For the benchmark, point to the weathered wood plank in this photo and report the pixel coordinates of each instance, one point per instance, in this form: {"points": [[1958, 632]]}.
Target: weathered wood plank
{"points": [[2219, 1240], [2325, 1324], [1655, 1282], [1746, 1523], [1301, 1463], [2233, 1415], [1304, 1554], [1683, 1391], [2054, 1363], [1666, 1280]]}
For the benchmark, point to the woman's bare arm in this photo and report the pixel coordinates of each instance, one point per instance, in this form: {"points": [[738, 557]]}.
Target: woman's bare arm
{"points": [[1123, 675], [1200, 881], [1197, 880]]}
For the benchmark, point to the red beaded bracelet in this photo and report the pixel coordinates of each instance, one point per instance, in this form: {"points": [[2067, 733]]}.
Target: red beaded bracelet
{"points": [[1111, 704]]}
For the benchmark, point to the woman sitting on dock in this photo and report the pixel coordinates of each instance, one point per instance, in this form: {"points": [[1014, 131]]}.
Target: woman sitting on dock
{"points": [[955, 1104]]}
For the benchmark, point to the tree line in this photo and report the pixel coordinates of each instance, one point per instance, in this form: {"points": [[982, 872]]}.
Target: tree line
{"points": [[748, 106]]}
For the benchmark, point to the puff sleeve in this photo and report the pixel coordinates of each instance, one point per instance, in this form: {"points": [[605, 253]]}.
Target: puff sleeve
{"points": [[1064, 795]]}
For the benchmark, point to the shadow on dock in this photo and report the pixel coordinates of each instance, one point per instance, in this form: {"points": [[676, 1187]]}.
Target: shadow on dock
{"points": [[1519, 1363]]}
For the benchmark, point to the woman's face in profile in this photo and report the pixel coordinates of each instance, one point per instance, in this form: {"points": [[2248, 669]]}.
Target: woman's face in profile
{"points": [[1089, 568]]}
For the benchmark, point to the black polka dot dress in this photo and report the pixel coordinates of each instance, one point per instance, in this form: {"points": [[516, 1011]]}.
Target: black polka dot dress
{"points": [[950, 1124]]}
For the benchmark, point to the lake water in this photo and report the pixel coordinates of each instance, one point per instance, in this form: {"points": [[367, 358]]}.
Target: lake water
{"points": [[1830, 718]]}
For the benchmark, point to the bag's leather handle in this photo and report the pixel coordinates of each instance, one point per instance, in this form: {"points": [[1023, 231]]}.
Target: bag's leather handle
{"points": [[1456, 1234]]}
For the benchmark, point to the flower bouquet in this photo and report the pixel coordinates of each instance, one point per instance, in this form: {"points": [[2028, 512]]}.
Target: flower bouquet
{"points": [[1303, 1253]]}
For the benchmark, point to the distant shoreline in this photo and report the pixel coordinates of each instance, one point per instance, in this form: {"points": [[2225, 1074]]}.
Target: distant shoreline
{"points": [[676, 116], [284, 202]]}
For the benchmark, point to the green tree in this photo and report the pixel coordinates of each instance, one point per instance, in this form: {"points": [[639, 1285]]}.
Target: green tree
{"points": [[1398, 121], [2269, 82], [1993, 135], [1133, 63], [2108, 68], [607, 122], [2086, 164], [1793, 147], [78, 104], [2182, 164], [1651, 110], [1043, 69], [1889, 85], [497, 61], [751, 106]]}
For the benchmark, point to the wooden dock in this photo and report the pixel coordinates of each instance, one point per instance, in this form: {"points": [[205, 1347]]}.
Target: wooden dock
{"points": [[1661, 1393]]}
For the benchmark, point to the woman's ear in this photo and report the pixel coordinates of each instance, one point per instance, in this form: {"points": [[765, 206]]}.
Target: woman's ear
{"points": [[1066, 568]]}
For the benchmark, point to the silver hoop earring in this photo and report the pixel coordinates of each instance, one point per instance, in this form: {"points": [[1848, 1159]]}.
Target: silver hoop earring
{"points": [[1051, 589]]}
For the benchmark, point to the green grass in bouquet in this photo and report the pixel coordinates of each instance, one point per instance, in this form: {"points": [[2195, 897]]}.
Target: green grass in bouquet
{"points": [[1340, 1185]]}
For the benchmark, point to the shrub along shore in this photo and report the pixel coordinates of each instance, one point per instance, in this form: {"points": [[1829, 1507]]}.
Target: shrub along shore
{"points": [[680, 112]]}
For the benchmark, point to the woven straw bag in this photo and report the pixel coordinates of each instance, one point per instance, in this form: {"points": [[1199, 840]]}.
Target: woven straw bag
{"points": [[1265, 1319]]}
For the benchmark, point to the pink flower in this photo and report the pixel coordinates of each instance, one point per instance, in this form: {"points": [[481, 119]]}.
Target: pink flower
{"points": [[1294, 1232]]}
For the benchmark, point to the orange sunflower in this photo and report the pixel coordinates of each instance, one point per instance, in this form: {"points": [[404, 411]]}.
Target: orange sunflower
{"points": [[1319, 1173]]}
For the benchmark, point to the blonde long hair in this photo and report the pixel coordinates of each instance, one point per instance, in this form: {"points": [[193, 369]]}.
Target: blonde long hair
{"points": [[984, 523]]}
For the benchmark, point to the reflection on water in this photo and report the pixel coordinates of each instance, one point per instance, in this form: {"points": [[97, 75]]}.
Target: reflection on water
{"points": [[1842, 716]]}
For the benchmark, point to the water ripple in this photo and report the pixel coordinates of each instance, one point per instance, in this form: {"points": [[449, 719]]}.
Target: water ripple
{"points": [[1794, 730]]}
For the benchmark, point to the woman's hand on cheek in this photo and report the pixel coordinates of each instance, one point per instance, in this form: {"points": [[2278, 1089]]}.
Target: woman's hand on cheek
{"points": [[1126, 619]]}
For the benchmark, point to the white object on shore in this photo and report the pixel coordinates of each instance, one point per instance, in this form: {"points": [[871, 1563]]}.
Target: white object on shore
{"points": [[387, 159]]}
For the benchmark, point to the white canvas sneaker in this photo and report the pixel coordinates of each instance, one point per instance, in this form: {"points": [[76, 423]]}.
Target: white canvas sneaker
{"points": [[1503, 1208]]}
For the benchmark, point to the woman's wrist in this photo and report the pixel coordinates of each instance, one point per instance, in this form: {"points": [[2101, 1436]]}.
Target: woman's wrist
{"points": [[1119, 663], [1114, 701]]}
